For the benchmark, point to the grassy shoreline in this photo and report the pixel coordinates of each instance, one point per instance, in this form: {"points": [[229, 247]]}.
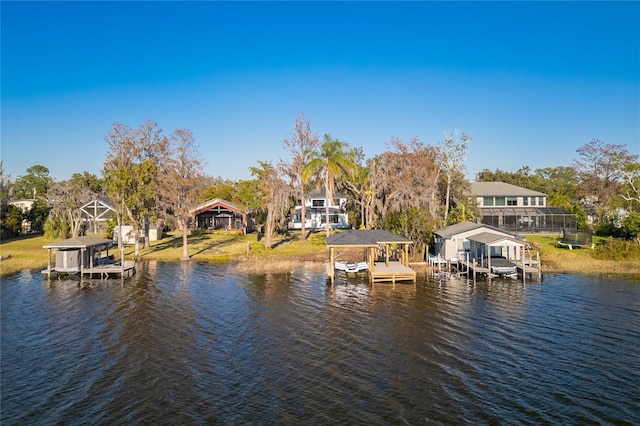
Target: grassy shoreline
{"points": [[246, 254]]}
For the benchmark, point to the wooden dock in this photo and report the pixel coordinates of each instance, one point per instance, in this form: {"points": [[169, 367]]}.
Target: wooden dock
{"points": [[391, 272], [100, 271], [472, 269]]}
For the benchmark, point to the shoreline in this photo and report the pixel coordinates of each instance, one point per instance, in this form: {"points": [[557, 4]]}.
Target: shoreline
{"points": [[245, 254]]}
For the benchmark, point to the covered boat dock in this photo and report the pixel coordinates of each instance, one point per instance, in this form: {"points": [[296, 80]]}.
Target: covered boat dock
{"points": [[86, 256], [386, 255]]}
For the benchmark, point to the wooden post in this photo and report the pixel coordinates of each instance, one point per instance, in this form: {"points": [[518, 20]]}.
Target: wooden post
{"points": [[49, 264], [332, 266], [524, 266]]}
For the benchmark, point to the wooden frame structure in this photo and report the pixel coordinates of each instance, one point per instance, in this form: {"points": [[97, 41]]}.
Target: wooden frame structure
{"points": [[382, 264]]}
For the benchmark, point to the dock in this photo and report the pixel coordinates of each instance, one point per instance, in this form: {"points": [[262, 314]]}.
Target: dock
{"points": [[112, 270], [86, 257], [382, 262], [391, 272], [524, 270]]}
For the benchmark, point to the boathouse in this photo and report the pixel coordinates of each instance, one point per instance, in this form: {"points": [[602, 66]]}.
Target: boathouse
{"points": [[84, 255], [385, 255]]}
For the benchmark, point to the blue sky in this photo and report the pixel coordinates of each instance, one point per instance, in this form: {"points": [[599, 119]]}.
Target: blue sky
{"points": [[530, 81]]}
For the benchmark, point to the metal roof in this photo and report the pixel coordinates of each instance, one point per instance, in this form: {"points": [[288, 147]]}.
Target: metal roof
{"points": [[217, 203], [365, 238], [489, 239], [79, 242], [461, 227], [502, 189], [523, 211]]}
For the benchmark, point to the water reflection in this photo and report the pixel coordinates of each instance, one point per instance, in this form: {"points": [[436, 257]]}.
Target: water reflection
{"points": [[194, 343]]}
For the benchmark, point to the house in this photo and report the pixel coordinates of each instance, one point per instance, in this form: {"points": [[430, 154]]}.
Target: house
{"points": [[455, 241], [516, 209], [24, 206], [316, 212], [220, 214]]}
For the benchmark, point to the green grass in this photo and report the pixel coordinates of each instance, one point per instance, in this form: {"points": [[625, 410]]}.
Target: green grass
{"points": [[623, 256]]}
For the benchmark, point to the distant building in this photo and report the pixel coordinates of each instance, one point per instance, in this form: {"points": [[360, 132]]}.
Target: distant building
{"points": [[516, 209], [221, 214], [454, 241], [316, 213], [24, 205]]}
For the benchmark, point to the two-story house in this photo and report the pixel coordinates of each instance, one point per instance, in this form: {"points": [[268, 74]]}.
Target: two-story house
{"points": [[516, 209], [316, 212]]}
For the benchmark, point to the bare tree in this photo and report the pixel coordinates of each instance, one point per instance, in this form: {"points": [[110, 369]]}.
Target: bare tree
{"points": [[66, 198], [182, 172], [631, 176], [600, 167], [452, 154], [274, 196], [150, 148], [407, 177], [300, 146]]}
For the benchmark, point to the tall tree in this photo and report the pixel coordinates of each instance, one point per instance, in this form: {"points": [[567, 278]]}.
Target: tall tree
{"points": [[67, 197], [332, 162], [118, 171], [407, 176], [274, 195], [631, 188], [150, 148], [453, 153], [182, 178], [300, 145], [600, 167], [359, 187], [35, 183]]}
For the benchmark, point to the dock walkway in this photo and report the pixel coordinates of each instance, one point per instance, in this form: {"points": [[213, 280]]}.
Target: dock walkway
{"points": [[99, 271]]}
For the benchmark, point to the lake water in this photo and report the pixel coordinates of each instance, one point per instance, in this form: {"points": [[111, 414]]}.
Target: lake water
{"points": [[199, 344]]}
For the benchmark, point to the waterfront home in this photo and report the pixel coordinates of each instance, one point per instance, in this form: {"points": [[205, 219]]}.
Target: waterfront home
{"points": [[516, 209], [316, 212], [454, 241], [220, 214]]}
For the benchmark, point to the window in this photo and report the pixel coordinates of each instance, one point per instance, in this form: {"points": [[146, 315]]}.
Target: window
{"points": [[487, 201], [317, 203], [500, 201], [541, 201], [525, 201], [533, 201], [512, 201]]}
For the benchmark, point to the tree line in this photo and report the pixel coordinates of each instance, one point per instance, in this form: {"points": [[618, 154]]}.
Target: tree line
{"points": [[412, 188]]}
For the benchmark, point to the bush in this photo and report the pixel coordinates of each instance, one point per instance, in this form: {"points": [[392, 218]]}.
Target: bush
{"points": [[616, 249], [318, 239]]}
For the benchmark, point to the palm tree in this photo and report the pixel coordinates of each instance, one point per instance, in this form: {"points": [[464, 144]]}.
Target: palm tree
{"points": [[331, 163]]}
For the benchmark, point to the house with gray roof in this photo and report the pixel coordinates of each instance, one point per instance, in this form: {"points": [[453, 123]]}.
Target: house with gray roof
{"points": [[454, 241], [516, 209]]}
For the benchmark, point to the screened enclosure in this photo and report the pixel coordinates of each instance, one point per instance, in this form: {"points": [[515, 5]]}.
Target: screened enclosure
{"points": [[529, 220]]}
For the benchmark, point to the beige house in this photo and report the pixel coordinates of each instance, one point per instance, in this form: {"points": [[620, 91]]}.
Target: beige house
{"points": [[516, 209]]}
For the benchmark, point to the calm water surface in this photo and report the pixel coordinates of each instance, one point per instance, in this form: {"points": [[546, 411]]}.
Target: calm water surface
{"points": [[199, 344]]}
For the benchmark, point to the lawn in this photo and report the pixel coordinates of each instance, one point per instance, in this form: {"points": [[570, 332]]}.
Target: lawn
{"points": [[287, 251]]}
